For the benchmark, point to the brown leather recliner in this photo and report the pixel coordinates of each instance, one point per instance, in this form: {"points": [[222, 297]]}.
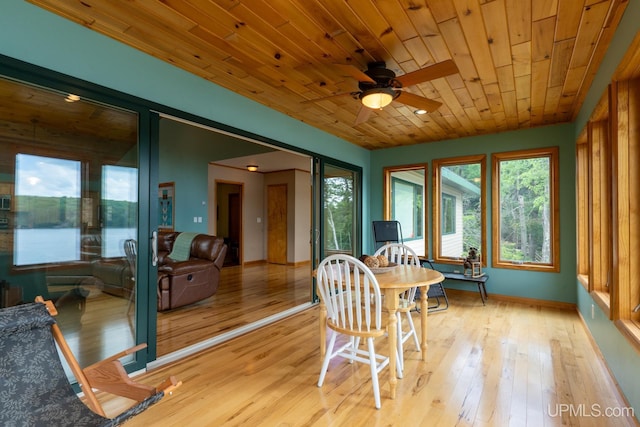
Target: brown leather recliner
{"points": [[185, 282]]}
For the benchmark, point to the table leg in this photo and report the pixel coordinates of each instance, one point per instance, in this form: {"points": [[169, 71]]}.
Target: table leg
{"points": [[323, 328], [424, 308], [391, 299]]}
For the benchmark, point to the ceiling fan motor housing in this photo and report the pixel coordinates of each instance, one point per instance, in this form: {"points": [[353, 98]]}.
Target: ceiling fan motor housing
{"points": [[384, 81], [378, 72]]}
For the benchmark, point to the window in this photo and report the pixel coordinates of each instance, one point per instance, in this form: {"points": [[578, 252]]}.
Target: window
{"points": [[407, 207], [120, 208], [594, 209], [608, 206], [625, 213], [525, 210], [404, 201], [459, 213], [448, 214], [47, 224]]}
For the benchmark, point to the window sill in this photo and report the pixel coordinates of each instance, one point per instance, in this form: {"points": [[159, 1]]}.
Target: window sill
{"points": [[527, 266], [584, 281]]}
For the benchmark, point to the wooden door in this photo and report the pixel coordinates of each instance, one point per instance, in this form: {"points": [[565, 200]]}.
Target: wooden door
{"points": [[277, 224]]}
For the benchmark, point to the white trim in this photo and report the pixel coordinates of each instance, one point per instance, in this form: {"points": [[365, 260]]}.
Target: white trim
{"points": [[219, 339]]}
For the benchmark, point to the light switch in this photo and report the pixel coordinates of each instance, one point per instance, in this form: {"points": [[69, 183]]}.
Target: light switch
{"points": [[259, 220], [195, 219]]}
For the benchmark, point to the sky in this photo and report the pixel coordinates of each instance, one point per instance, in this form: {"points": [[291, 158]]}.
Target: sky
{"points": [[51, 177]]}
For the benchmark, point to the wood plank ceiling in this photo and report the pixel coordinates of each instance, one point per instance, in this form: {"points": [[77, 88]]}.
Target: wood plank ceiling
{"points": [[522, 63]]}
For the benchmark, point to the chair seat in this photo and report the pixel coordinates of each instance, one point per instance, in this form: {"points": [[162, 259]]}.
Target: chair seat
{"points": [[375, 333]]}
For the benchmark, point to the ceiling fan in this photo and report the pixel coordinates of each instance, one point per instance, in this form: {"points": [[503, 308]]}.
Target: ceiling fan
{"points": [[379, 86]]}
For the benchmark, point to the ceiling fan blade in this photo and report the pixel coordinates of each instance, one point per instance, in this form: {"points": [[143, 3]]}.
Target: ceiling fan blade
{"points": [[418, 101], [324, 98], [352, 71], [435, 71], [363, 115]]}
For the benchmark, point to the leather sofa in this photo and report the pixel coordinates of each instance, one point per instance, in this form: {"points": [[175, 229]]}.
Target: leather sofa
{"points": [[184, 282]]}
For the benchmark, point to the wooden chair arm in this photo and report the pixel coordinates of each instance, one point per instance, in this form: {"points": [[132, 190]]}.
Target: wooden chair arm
{"points": [[169, 385], [119, 355]]}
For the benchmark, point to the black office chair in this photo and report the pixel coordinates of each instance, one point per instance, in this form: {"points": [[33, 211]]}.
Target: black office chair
{"points": [[436, 291], [387, 232]]}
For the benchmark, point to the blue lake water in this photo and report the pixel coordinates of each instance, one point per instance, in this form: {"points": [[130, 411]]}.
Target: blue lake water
{"points": [[44, 245]]}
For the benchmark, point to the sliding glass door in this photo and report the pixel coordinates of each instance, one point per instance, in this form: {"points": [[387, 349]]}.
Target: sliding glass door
{"points": [[69, 189], [340, 201]]}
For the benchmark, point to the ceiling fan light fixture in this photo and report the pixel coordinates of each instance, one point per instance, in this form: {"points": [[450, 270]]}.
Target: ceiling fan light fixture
{"points": [[252, 168], [72, 98], [377, 98]]}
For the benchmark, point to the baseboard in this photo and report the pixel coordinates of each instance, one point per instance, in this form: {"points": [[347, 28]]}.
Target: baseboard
{"points": [[521, 300], [299, 263], [264, 261], [252, 263]]}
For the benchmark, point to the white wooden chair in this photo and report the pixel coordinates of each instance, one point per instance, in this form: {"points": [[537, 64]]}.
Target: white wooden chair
{"points": [[352, 296], [403, 254]]}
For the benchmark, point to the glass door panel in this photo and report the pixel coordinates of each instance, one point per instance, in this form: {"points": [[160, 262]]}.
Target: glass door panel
{"points": [[340, 210], [69, 185]]}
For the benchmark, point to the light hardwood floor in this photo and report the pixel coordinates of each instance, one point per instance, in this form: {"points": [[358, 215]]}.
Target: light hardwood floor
{"points": [[245, 295], [504, 364]]}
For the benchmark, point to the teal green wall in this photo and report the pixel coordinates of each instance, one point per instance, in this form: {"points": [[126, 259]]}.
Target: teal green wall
{"points": [[621, 357], [185, 153], [539, 285]]}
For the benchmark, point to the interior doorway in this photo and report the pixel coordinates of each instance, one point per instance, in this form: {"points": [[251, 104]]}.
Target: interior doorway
{"points": [[229, 219]]}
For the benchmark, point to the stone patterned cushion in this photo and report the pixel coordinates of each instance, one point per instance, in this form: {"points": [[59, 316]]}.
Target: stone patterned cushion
{"points": [[34, 390]]}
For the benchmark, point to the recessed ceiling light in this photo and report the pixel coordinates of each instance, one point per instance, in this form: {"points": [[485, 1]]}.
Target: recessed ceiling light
{"points": [[419, 112]]}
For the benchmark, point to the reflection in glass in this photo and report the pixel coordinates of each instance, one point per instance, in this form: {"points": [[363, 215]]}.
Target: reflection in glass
{"points": [[120, 208], [407, 205], [47, 219], [68, 180]]}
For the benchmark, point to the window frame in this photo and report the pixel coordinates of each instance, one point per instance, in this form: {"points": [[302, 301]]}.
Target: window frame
{"points": [[554, 209], [437, 164]]}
